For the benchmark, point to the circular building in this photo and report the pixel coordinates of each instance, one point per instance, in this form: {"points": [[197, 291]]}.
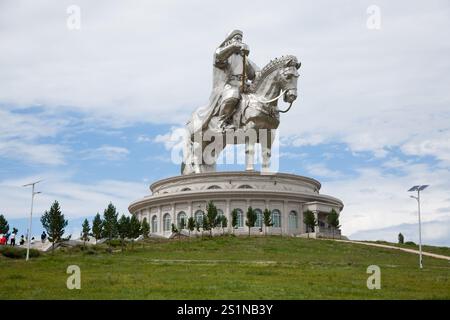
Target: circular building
{"points": [[287, 196]]}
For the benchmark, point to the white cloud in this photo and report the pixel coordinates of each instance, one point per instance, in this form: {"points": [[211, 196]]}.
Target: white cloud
{"points": [[433, 233], [76, 199], [105, 152], [319, 169], [436, 144], [171, 139], [293, 155], [144, 138], [396, 163], [45, 154], [375, 199], [21, 134]]}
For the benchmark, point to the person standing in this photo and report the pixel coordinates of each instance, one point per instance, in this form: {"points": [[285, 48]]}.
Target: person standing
{"points": [[43, 236], [13, 239]]}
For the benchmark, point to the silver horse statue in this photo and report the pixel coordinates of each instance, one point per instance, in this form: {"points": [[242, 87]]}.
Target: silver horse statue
{"points": [[258, 109]]}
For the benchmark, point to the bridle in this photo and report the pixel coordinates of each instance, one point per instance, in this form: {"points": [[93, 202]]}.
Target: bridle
{"points": [[276, 98]]}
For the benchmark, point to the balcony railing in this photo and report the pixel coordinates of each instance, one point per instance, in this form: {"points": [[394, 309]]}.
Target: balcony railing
{"points": [[328, 231]]}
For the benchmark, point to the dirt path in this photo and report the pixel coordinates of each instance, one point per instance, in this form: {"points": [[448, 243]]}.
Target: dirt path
{"points": [[429, 254]]}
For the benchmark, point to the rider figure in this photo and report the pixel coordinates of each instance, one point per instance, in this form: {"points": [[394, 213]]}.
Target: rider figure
{"points": [[229, 57]]}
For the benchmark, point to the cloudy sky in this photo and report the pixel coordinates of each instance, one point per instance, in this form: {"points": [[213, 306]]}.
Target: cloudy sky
{"points": [[92, 110]]}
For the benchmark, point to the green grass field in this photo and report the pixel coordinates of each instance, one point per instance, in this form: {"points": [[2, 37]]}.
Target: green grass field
{"points": [[227, 268]]}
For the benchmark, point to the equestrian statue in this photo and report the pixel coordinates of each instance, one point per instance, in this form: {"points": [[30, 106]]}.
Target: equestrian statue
{"points": [[243, 101]]}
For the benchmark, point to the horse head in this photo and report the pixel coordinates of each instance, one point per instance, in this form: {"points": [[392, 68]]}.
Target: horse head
{"points": [[288, 77], [279, 75]]}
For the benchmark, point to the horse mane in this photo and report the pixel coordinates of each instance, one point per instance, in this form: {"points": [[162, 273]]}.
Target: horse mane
{"points": [[270, 67]]}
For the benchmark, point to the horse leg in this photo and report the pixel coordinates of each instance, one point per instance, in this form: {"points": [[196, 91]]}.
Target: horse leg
{"points": [[250, 149], [196, 157], [266, 150], [249, 156]]}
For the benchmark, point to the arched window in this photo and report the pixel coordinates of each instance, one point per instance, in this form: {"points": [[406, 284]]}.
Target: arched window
{"points": [[240, 218], [181, 216], [214, 187], [245, 186], [276, 218], [186, 189], [199, 217], [167, 226], [293, 220], [259, 218], [219, 214], [154, 224]]}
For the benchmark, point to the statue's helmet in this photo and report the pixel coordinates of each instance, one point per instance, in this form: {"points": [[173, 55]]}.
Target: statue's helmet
{"points": [[231, 35]]}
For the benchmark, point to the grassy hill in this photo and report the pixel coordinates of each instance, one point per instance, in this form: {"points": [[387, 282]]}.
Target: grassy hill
{"points": [[227, 268], [445, 251]]}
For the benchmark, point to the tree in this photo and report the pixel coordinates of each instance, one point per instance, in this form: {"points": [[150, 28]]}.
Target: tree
{"points": [[401, 238], [309, 220], [145, 228], [4, 226], [223, 223], [333, 220], [110, 223], [97, 227], [175, 230], [205, 224], [54, 223], [251, 219], [211, 221], [197, 226], [267, 219], [85, 232], [182, 224], [123, 228], [191, 225], [135, 229], [234, 219]]}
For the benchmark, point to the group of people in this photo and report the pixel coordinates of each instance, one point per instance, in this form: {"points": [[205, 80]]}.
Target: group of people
{"points": [[12, 239]]}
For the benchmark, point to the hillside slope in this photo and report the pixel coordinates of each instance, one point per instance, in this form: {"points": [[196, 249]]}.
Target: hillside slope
{"points": [[227, 268]]}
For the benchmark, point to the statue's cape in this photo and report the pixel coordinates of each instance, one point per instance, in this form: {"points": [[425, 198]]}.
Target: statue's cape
{"points": [[201, 117]]}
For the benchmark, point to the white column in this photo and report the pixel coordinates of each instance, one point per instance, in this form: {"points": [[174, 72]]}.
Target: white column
{"points": [[160, 222], [285, 218], [300, 219], [173, 214], [228, 215], [189, 213]]}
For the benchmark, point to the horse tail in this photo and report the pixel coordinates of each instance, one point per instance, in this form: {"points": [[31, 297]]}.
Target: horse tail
{"points": [[187, 152]]}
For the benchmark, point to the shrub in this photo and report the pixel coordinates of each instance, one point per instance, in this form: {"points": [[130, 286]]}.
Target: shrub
{"points": [[18, 253], [410, 243], [115, 242], [90, 251], [401, 238]]}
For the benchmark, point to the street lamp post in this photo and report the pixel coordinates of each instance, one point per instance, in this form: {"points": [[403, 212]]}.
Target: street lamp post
{"points": [[31, 215], [418, 189]]}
